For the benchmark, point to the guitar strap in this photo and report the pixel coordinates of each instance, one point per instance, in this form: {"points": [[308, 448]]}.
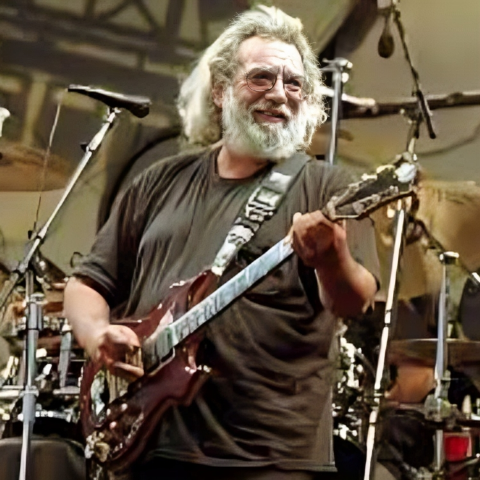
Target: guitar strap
{"points": [[261, 205]]}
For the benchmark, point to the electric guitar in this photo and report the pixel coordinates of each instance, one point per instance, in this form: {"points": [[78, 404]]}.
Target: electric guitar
{"points": [[118, 417]]}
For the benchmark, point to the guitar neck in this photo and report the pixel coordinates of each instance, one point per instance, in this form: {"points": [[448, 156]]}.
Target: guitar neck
{"points": [[201, 313]]}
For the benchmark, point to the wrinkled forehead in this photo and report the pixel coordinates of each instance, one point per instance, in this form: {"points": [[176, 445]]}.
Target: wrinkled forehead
{"points": [[260, 52]]}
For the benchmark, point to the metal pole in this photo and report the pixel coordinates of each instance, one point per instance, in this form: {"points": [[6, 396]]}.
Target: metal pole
{"points": [[30, 392], [338, 67], [389, 309], [437, 406]]}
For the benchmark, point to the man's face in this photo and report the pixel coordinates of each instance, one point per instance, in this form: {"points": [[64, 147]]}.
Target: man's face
{"points": [[274, 55], [267, 124]]}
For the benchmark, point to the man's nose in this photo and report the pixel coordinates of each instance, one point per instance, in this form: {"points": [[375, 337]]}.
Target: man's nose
{"points": [[277, 93]]}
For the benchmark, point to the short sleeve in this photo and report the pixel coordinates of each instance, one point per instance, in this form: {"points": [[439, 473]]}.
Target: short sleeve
{"points": [[110, 265]]}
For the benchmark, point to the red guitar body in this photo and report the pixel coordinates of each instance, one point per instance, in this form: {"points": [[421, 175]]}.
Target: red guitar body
{"points": [[117, 438]]}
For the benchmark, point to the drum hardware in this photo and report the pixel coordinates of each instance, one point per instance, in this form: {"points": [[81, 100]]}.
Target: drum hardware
{"points": [[454, 429], [50, 325], [459, 431], [68, 415], [10, 392], [437, 406], [7, 372], [352, 393], [65, 352], [68, 391]]}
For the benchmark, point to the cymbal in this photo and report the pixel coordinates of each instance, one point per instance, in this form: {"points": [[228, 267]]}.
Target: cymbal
{"points": [[21, 169], [423, 351]]}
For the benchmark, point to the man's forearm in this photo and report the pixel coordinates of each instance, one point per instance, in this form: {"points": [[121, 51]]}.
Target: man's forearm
{"points": [[86, 310], [346, 287]]}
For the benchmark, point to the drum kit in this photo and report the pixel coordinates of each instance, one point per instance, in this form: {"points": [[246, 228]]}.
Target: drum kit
{"points": [[428, 396], [426, 400]]}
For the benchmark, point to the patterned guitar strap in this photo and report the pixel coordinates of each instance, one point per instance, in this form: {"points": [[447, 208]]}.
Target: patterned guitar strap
{"points": [[261, 205]]}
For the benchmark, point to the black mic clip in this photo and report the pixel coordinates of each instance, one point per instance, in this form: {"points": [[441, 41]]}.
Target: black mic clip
{"points": [[137, 105]]}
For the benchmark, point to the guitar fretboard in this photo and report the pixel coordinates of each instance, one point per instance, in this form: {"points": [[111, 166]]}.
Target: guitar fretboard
{"points": [[179, 330]]}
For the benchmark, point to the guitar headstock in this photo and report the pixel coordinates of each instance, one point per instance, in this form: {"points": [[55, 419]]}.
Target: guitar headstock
{"points": [[390, 182]]}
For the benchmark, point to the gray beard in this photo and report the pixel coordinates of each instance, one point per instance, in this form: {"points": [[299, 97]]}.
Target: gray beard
{"points": [[273, 141]]}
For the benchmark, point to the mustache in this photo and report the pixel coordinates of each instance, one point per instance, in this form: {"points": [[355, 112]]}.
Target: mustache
{"points": [[269, 105]]}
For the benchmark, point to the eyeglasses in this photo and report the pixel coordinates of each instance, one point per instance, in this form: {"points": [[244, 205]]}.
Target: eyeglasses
{"points": [[264, 79]]}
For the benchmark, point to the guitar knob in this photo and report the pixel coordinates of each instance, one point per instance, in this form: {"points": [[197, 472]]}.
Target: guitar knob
{"points": [[102, 450]]}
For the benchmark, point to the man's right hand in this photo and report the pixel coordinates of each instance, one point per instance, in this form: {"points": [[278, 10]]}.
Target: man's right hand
{"points": [[111, 347], [106, 344]]}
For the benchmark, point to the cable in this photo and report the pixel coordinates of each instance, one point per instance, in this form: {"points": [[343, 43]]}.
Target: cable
{"points": [[46, 158]]}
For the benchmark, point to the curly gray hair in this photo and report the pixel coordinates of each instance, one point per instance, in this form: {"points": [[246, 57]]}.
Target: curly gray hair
{"points": [[200, 118]]}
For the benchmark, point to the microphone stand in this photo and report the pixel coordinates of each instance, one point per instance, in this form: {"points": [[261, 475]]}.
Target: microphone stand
{"points": [[339, 67], [414, 133], [421, 99], [39, 237], [30, 391], [390, 310], [35, 311]]}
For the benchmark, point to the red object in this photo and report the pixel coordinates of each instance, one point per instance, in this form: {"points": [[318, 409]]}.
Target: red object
{"points": [[458, 446]]}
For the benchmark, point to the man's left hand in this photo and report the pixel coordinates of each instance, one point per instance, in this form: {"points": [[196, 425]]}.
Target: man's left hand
{"points": [[346, 288], [317, 240]]}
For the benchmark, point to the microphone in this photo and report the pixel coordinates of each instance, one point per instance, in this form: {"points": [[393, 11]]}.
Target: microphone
{"points": [[138, 106], [386, 45]]}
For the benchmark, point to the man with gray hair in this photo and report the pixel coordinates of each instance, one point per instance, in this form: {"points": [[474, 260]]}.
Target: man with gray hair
{"points": [[264, 411]]}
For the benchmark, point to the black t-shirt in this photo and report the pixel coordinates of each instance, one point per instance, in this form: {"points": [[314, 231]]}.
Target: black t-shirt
{"points": [[268, 402]]}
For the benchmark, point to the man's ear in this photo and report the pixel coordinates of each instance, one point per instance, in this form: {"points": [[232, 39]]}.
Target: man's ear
{"points": [[217, 95]]}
